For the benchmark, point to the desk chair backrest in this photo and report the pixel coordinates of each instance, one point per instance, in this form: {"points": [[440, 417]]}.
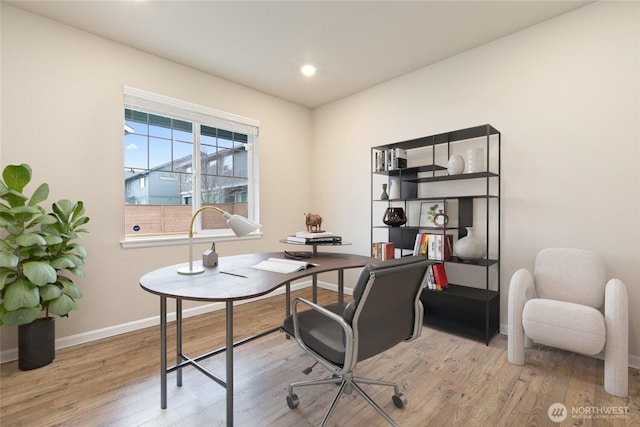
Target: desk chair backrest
{"points": [[571, 275], [387, 309]]}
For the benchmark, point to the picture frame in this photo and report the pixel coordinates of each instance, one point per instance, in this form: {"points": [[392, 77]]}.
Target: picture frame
{"points": [[433, 213]]}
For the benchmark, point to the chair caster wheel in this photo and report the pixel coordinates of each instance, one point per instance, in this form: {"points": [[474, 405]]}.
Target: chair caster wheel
{"points": [[399, 400], [293, 401]]}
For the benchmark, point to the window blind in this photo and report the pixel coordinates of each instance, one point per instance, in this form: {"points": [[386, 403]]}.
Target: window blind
{"points": [[149, 102]]}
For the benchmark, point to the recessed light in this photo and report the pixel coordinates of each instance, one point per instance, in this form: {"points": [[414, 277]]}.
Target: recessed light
{"points": [[308, 70]]}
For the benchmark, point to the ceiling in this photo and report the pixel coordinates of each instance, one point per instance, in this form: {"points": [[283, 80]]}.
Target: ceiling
{"points": [[262, 44]]}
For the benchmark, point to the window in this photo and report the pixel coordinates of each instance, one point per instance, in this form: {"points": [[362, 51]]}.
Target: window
{"points": [[180, 156]]}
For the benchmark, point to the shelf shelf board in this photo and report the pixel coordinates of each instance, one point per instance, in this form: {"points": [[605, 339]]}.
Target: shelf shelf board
{"points": [[435, 199], [454, 177], [443, 138], [481, 262]]}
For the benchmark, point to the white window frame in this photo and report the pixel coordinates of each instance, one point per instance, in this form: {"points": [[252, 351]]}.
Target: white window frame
{"points": [[153, 103]]}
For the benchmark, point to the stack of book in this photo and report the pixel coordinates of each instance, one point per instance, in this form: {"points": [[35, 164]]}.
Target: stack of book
{"points": [[436, 278], [438, 247], [384, 250], [391, 159], [308, 238]]}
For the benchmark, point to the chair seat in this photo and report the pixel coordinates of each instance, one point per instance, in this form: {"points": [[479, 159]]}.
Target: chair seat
{"points": [[319, 332], [565, 325]]}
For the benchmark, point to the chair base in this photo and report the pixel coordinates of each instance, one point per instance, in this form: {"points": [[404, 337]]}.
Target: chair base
{"points": [[347, 383]]}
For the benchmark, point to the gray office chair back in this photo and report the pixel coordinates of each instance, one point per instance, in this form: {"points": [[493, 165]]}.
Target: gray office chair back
{"points": [[386, 309]]}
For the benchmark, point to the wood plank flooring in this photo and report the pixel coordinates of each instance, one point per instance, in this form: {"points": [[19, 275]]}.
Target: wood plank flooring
{"points": [[448, 381]]}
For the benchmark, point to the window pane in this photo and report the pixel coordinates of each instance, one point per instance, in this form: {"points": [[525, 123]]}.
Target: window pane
{"points": [[224, 139], [164, 188], [225, 162], [240, 163], [135, 151], [182, 156], [220, 189], [159, 126], [159, 153], [182, 131], [209, 159]]}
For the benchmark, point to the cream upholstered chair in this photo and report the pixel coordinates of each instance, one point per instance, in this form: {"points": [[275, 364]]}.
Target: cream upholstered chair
{"points": [[559, 306]]}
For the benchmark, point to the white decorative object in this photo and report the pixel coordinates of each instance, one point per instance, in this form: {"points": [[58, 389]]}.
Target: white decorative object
{"points": [[455, 166], [470, 247], [394, 188], [475, 160]]}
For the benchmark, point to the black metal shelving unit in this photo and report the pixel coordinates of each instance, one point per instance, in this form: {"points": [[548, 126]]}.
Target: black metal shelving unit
{"points": [[470, 309]]}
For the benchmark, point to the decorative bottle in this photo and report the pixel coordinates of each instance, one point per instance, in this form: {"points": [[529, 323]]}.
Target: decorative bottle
{"points": [[470, 248]]}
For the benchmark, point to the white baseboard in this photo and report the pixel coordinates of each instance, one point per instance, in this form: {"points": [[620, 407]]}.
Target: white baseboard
{"points": [[12, 354]]}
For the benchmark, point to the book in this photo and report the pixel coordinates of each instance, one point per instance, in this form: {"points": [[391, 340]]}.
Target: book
{"points": [[309, 240], [438, 247], [279, 265], [440, 276], [421, 244], [390, 159], [430, 279], [384, 250], [310, 235]]}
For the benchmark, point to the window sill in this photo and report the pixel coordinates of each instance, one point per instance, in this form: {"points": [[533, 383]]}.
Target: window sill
{"points": [[174, 240]]}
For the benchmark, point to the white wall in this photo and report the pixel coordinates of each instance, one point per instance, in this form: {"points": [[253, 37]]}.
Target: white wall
{"points": [[62, 112], [564, 94]]}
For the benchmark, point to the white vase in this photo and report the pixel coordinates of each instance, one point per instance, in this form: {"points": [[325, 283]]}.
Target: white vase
{"points": [[475, 160], [455, 166], [394, 189], [470, 247]]}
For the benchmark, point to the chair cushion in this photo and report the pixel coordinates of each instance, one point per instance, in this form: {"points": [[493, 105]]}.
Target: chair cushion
{"points": [[572, 275], [321, 334], [573, 327]]}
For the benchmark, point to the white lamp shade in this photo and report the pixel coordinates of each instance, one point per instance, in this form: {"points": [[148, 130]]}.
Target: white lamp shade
{"points": [[240, 225]]}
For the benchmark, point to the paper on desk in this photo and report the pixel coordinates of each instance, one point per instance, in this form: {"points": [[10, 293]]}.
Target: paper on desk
{"points": [[280, 265]]}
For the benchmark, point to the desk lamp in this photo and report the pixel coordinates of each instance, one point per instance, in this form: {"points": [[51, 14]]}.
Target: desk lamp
{"points": [[240, 226]]}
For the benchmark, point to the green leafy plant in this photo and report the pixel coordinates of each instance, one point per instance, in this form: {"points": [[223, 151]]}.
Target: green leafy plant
{"points": [[38, 250]]}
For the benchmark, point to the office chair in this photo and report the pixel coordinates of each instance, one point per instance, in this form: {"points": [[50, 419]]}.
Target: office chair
{"points": [[386, 310], [558, 305]]}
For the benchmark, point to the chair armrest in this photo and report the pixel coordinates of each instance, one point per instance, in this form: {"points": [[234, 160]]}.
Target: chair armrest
{"points": [[521, 289], [616, 349], [350, 356]]}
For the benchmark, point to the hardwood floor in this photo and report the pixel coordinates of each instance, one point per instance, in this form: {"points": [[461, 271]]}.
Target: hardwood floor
{"points": [[448, 381]]}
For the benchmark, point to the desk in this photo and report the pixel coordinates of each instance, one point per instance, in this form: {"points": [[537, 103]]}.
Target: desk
{"points": [[214, 285], [314, 252]]}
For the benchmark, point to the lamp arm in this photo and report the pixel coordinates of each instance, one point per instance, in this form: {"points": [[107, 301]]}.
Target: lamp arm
{"points": [[195, 214]]}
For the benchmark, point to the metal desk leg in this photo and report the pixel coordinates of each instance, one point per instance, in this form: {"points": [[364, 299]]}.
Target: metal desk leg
{"points": [[179, 340], [314, 252], [163, 352], [288, 298], [314, 282], [340, 286], [229, 352], [288, 303]]}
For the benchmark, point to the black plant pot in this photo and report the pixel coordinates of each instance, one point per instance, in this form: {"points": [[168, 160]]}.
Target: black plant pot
{"points": [[36, 343]]}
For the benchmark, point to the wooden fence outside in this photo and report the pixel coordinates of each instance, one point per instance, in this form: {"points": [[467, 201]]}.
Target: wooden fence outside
{"points": [[174, 219]]}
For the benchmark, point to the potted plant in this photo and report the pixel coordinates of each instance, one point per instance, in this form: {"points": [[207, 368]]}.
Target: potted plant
{"points": [[38, 255]]}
